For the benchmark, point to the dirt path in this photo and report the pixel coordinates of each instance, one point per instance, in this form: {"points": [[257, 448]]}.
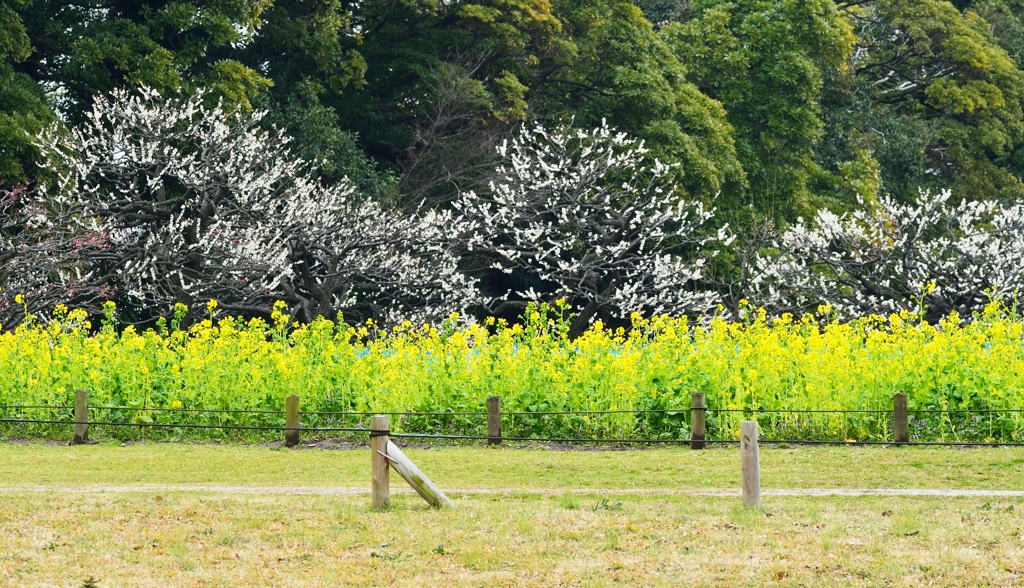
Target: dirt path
{"points": [[342, 491]]}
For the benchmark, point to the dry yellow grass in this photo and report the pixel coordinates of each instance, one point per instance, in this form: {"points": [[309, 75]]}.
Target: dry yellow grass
{"points": [[507, 540], [571, 536]]}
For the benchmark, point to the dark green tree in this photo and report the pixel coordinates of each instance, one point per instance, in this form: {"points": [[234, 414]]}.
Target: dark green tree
{"points": [[23, 108], [308, 49], [944, 106], [428, 89], [766, 61], [620, 70], [57, 56], [84, 48], [420, 86]]}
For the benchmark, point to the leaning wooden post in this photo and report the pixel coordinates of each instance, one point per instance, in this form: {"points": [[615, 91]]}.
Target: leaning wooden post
{"points": [[750, 462], [698, 422], [81, 417], [380, 488], [494, 420], [417, 479], [900, 426], [291, 421]]}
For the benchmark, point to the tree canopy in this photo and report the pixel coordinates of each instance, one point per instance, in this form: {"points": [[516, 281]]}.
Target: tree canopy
{"points": [[783, 105], [766, 111]]}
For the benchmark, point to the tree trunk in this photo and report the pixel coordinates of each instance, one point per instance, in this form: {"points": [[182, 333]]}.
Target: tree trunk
{"points": [[581, 322]]}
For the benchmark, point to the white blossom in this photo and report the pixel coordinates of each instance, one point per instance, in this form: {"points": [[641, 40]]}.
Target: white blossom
{"points": [[187, 202], [44, 263], [891, 256], [588, 216]]}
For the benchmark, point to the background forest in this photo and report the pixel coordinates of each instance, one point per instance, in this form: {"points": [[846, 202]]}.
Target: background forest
{"points": [[895, 128]]}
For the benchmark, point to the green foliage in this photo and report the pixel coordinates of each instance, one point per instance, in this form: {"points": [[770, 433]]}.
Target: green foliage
{"points": [[945, 98], [169, 46], [1006, 22], [370, 71], [237, 49], [310, 52], [622, 71], [883, 96], [665, 11], [23, 115], [427, 88], [765, 61], [319, 137], [785, 105], [23, 108], [58, 55]]}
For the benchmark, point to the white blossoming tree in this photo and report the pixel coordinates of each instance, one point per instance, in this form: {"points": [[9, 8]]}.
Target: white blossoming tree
{"points": [[184, 202], [891, 256], [44, 261], [586, 215]]}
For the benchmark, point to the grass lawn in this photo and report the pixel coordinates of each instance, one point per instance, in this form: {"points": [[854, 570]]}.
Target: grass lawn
{"points": [[548, 518]]}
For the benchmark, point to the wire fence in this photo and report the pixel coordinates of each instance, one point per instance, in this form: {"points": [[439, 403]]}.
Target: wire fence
{"points": [[413, 413], [429, 426]]}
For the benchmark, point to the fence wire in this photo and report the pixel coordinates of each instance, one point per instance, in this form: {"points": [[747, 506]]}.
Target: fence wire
{"points": [[515, 439], [516, 413], [561, 440]]}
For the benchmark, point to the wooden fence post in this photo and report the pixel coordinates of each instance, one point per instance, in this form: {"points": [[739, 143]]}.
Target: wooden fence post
{"points": [[698, 422], [494, 420], [900, 426], [380, 488], [291, 421], [750, 462], [81, 417], [417, 479]]}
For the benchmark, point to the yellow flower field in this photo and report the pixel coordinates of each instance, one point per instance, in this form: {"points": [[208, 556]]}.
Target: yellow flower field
{"points": [[751, 368]]}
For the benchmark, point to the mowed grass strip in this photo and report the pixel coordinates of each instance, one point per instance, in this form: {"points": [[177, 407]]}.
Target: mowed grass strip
{"points": [[40, 464], [514, 539]]}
